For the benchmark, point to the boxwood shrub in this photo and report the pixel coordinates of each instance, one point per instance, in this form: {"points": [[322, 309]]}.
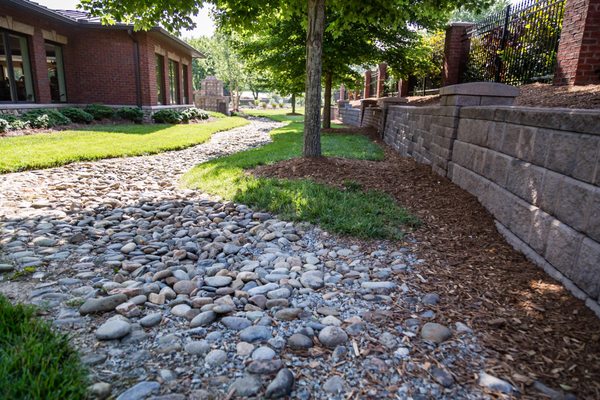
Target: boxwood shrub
{"points": [[77, 115], [100, 111], [43, 118], [177, 117], [134, 114]]}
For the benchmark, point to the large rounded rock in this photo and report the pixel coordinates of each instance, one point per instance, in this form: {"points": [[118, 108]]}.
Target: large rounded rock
{"points": [[113, 329], [217, 281], [312, 279], [216, 358], [281, 386], [236, 323], [299, 341], [102, 304], [332, 336], [435, 333], [184, 287], [255, 334], [203, 319]]}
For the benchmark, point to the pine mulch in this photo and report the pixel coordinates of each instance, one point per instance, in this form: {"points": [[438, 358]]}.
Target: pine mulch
{"points": [[531, 328]]}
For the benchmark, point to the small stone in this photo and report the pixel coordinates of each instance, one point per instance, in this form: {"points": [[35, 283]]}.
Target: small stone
{"points": [[102, 304], [184, 287], [215, 358], [379, 287], [435, 333], [244, 349], [203, 319], [497, 384], [197, 347], [431, 299], [335, 385], [140, 391], [281, 386], [442, 377], [282, 293], [113, 329], [288, 314], [331, 320], [217, 281], [6, 268], [312, 279], [462, 328], [263, 353], [128, 248], [230, 248], [180, 310], [236, 323], [255, 334], [264, 367], [100, 390], [299, 341], [151, 320], [332, 336], [246, 387]]}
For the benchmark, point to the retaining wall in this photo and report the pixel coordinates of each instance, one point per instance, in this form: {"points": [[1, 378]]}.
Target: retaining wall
{"points": [[350, 116], [536, 170]]}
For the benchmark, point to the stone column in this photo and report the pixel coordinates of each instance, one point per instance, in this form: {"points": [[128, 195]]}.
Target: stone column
{"points": [[578, 58], [367, 84], [342, 92], [456, 52], [381, 77]]}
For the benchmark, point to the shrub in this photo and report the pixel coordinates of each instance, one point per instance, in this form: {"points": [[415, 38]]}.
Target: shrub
{"points": [[77, 115], [134, 114], [256, 102], [263, 104], [4, 125], [194, 113], [100, 111], [45, 118], [273, 105], [167, 117], [281, 105], [18, 124]]}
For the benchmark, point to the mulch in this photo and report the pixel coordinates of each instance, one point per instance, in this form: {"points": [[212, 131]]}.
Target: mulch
{"points": [[531, 328]]}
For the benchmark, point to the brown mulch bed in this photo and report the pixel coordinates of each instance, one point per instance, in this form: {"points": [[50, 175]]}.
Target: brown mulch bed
{"points": [[546, 95], [539, 95], [531, 328]]}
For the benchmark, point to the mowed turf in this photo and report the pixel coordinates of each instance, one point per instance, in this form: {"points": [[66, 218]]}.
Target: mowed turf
{"points": [[104, 141], [363, 214]]}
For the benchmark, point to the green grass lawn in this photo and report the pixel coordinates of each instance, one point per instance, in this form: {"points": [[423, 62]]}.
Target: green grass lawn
{"points": [[104, 141], [352, 211], [35, 362]]}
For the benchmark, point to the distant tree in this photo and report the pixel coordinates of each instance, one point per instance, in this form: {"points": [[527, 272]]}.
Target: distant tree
{"points": [[464, 14]]}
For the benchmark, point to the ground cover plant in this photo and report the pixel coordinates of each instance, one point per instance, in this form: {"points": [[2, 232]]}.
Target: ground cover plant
{"points": [[35, 362], [352, 211], [103, 141]]}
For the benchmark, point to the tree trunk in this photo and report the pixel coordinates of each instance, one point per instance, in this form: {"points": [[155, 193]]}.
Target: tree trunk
{"points": [[314, 66], [293, 103], [327, 101]]}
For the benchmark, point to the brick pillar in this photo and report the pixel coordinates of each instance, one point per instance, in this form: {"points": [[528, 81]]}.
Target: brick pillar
{"points": [[381, 77], [578, 58], [367, 84], [403, 88], [39, 69], [342, 92], [456, 51]]}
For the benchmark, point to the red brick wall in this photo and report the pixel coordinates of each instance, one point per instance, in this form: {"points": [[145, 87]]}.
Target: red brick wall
{"points": [[100, 65], [578, 59], [456, 51], [367, 84]]}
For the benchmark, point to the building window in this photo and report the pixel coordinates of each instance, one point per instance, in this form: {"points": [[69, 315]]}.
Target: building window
{"points": [[16, 84], [56, 73], [160, 79], [185, 83], [174, 82]]}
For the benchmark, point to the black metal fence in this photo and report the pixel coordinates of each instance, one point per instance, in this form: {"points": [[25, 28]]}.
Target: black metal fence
{"points": [[518, 45]]}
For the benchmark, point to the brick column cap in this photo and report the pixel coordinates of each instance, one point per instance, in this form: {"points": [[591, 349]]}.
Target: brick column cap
{"points": [[488, 89], [458, 23]]}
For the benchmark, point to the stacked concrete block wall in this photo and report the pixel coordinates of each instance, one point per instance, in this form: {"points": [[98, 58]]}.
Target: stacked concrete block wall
{"points": [[350, 116], [371, 117], [537, 171]]}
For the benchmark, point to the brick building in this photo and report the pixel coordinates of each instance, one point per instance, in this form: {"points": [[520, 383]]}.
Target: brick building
{"points": [[53, 57]]}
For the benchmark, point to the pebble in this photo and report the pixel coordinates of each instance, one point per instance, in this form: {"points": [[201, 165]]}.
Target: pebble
{"points": [[332, 336], [299, 342], [496, 384], [236, 323], [140, 391], [281, 386], [215, 358], [113, 329], [197, 347], [100, 390], [335, 385], [151, 320], [436, 333], [102, 304], [263, 353], [246, 386], [203, 319], [255, 334]]}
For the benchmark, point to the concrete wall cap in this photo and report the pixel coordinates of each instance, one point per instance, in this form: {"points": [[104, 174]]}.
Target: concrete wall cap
{"points": [[491, 89], [459, 23]]}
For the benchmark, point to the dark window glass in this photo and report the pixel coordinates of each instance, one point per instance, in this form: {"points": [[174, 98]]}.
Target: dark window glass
{"points": [[174, 82], [160, 79], [16, 84], [184, 83], [56, 73]]}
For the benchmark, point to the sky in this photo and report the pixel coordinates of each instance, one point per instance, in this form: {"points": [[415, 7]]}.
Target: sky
{"points": [[205, 26]]}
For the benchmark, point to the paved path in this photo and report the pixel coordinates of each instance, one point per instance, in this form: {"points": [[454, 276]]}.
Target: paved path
{"points": [[168, 292]]}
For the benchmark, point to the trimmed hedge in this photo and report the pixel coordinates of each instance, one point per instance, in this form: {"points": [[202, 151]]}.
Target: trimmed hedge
{"points": [[178, 117], [43, 118], [100, 111], [77, 115], [134, 114]]}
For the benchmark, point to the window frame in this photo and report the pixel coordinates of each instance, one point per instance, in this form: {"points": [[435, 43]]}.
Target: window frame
{"points": [[12, 84], [175, 79], [64, 73], [161, 93]]}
